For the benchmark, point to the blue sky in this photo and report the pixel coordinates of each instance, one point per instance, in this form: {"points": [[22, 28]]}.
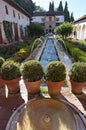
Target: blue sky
{"points": [[78, 7]]}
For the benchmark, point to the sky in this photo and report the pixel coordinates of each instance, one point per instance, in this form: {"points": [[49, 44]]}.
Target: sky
{"points": [[78, 7]]}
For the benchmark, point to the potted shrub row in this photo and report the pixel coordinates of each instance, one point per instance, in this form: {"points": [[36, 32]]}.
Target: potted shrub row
{"points": [[32, 72]]}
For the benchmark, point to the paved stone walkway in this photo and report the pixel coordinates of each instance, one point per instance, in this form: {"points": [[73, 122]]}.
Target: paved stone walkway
{"points": [[7, 107]]}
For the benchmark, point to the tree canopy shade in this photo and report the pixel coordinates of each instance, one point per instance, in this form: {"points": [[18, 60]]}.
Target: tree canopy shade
{"points": [[28, 5], [39, 9], [64, 29]]}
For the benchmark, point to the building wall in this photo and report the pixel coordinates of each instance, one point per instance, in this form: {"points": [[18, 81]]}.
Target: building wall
{"points": [[38, 19], [80, 30], [49, 21], [14, 16], [59, 19]]}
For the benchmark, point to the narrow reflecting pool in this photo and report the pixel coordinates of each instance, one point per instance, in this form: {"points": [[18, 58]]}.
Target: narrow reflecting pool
{"points": [[49, 52]]}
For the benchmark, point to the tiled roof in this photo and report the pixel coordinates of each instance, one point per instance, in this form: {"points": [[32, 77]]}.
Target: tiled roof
{"points": [[48, 13], [79, 19]]}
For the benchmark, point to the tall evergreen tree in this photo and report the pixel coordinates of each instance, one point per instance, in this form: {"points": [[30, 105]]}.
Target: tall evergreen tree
{"points": [[60, 8], [71, 17], [50, 6], [66, 13]]}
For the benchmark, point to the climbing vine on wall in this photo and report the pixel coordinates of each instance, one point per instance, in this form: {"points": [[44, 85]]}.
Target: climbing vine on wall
{"points": [[8, 30]]}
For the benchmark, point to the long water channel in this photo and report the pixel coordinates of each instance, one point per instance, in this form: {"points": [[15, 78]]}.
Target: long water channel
{"points": [[49, 53]]}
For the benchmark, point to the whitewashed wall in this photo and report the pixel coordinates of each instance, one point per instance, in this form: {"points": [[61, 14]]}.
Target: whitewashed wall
{"points": [[80, 28], [37, 19], [24, 20], [61, 19]]}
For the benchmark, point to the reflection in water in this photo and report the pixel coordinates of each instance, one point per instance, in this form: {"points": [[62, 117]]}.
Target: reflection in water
{"points": [[46, 114], [49, 53]]}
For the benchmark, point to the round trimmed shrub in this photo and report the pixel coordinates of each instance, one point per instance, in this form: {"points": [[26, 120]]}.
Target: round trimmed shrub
{"points": [[77, 72], [55, 71], [32, 70], [10, 70]]}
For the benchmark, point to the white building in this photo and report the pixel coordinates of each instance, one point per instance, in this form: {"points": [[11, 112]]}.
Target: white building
{"points": [[80, 28], [13, 21], [48, 19]]}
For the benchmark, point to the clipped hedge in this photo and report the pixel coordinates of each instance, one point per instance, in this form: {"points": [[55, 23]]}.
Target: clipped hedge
{"points": [[80, 44], [75, 52]]}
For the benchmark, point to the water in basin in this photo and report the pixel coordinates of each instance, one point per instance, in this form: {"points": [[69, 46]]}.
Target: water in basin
{"points": [[46, 114]]}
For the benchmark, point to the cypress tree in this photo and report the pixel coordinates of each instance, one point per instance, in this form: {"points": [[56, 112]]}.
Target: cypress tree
{"points": [[50, 6], [66, 13], [60, 8], [71, 17]]}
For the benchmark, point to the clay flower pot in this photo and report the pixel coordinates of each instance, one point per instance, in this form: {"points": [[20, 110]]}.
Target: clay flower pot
{"points": [[77, 87], [54, 88], [33, 87], [1, 82], [12, 85]]}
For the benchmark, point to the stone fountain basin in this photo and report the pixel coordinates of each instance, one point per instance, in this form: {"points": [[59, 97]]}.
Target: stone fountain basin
{"points": [[46, 114]]}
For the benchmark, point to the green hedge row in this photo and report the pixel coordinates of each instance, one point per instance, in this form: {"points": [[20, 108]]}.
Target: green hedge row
{"points": [[80, 44], [75, 52]]}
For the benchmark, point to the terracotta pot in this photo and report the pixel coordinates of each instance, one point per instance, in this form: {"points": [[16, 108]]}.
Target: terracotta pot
{"points": [[54, 88], [77, 87], [33, 87], [13, 85], [1, 82]]}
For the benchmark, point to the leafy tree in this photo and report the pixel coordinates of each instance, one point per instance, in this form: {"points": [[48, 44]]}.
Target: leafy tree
{"points": [[39, 9], [35, 30], [60, 8], [65, 29]]}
